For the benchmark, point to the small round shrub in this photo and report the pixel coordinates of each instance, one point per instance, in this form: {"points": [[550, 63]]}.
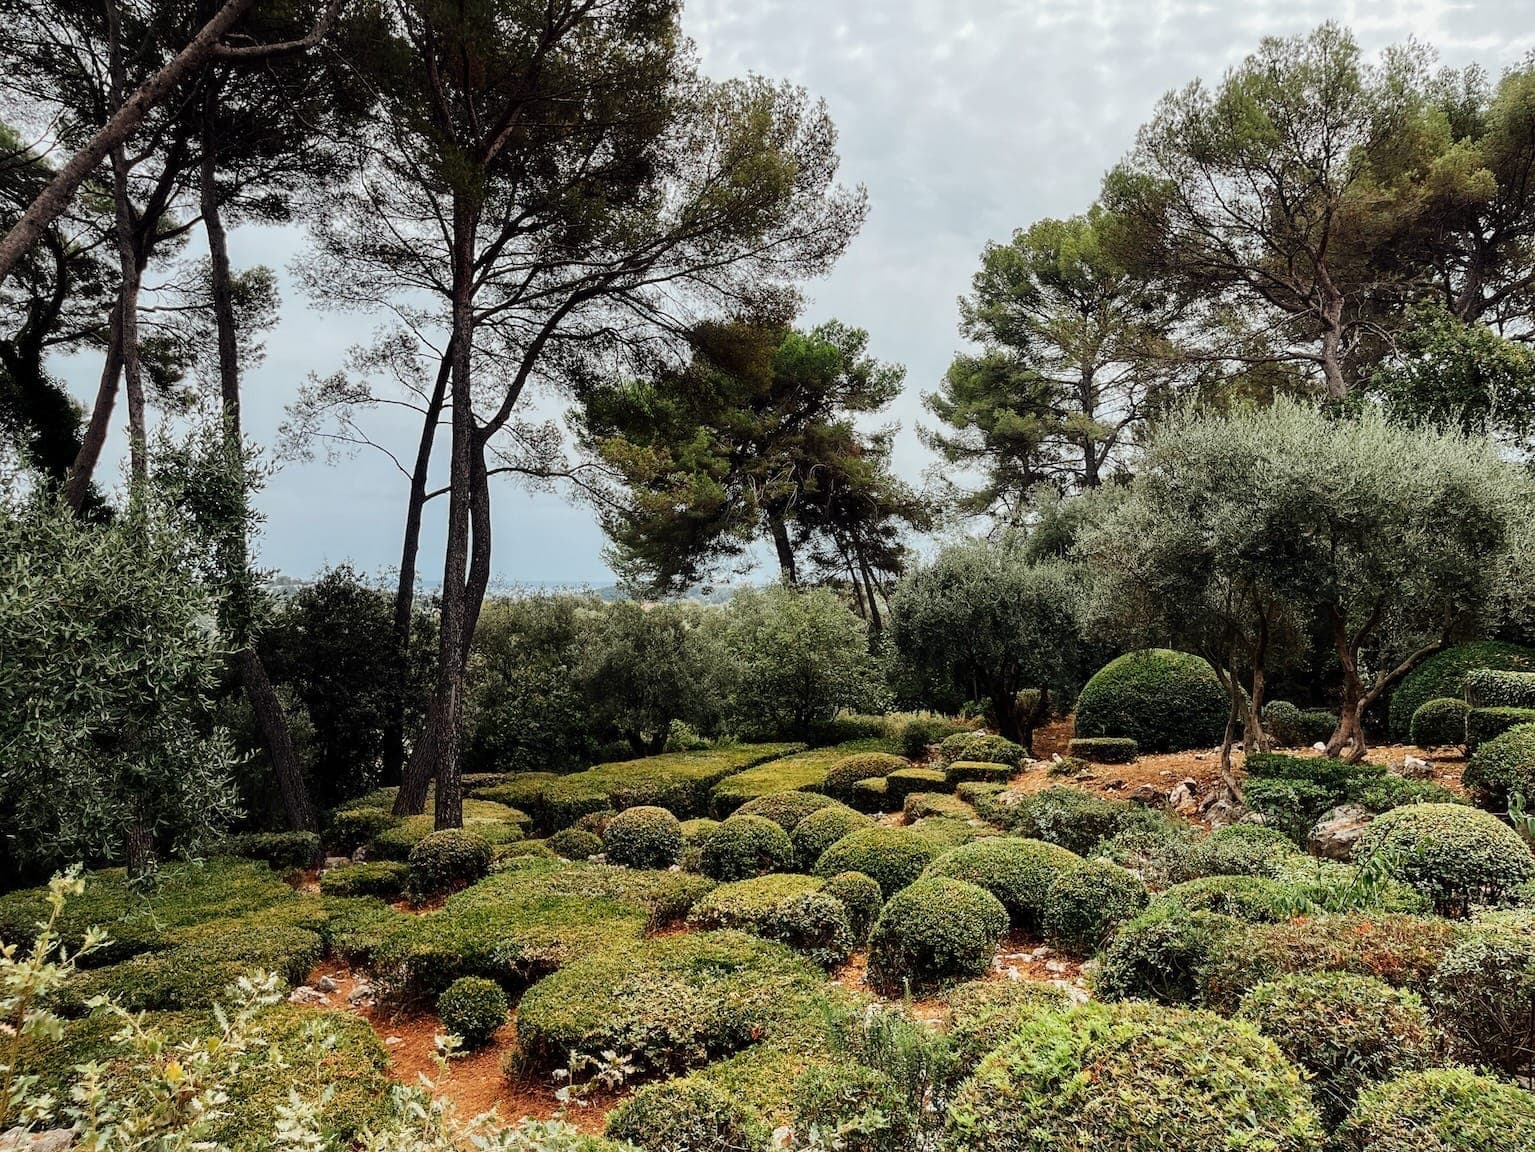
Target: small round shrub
{"points": [[1444, 675], [382, 878], [446, 861], [1243, 850], [786, 809], [1503, 767], [1104, 749], [814, 924], [1440, 1110], [1086, 903], [1165, 701], [1439, 723], [1483, 992], [696, 831], [574, 844], [1071, 817], [643, 837], [933, 932], [1016, 871], [983, 747], [860, 898], [1161, 955], [1347, 1031], [1133, 1078], [472, 1008], [1253, 899], [821, 829], [1282, 723], [1455, 855], [748, 905], [746, 846], [686, 1115], [842, 775], [891, 857]]}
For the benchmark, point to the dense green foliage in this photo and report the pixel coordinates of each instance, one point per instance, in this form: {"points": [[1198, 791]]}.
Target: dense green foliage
{"points": [[746, 846], [1086, 903], [1444, 675], [1503, 767], [1017, 872], [643, 837], [1439, 723], [445, 861], [684, 1114], [472, 1008], [891, 857], [1163, 700], [1457, 856], [1440, 1110], [934, 931]]}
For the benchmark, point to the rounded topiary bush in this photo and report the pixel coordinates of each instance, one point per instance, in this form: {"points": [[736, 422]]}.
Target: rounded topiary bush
{"points": [[1255, 899], [383, 878], [982, 747], [933, 932], [891, 857], [1483, 992], [1133, 1078], [574, 844], [815, 924], [1104, 749], [860, 898], [821, 829], [1017, 872], [1503, 767], [1443, 675], [842, 775], [1243, 850], [643, 837], [1162, 954], [1165, 701], [1439, 723], [1071, 817], [1440, 1110], [1455, 855], [786, 809], [1347, 1031], [1086, 903], [472, 1008], [686, 1115], [446, 861], [1282, 723], [978, 772], [746, 846]]}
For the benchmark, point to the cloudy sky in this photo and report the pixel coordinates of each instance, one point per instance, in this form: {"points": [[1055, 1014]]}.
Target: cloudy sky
{"points": [[965, 119]]}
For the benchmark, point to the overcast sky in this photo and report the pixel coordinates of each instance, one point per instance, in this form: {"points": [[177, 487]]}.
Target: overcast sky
{"points": [[965, 119]]}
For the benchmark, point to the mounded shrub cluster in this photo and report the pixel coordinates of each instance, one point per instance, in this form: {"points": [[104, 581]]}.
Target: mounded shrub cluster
{"points": [[933, 932], [983, 747], [1439, 1110], [1439, 723], [1018, 872], [860, 898], [643, 837], [1071, 817], [746, 846], [786, 809], [575, 844], [845, 773], [472, 1008], [1483, 992], [1484, 724], [446, 861], [1495, 688], [1444, 675], [282, 850], [906, 782], [1165, 701], [977, 771], [1503, 767], [821, 829], [984, 1013], [686, 1113], [382, 878], [1086, 903], [891, 857], [1456, 856], [1292, 727]]}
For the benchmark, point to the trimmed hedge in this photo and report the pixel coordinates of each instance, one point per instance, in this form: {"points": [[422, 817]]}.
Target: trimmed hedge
{"points": [[786, 809], [860, 898], [1484, 724], [1292, 727], [849, 770], [1104, 749], [746, 846], [800, 772], [1162, 955], [923, 805], [446, 861], [1444, 674], [1455, 855], [906, 781], [1253, 899], [978, 771], [1492, 688], [872, 795], [472, 1008], [933, 932], [1483, 993], [814, 924], [686, 1115], [1133, 1078], [1243, 850], [1503, 767], [891, 857], [1016, 871], [382, 878], [1071, 817], [643, 837], [1165, 701], [282, 850], [747, 905], [984, 747], [1440, 1110], [574, 844], [1439, 723], [1085, 904], [821, 829]]}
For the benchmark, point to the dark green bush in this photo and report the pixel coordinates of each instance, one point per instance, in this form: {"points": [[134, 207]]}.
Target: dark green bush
{"points": [[786, 809], [860, 898], [1293, 792], [891, 857], [746, 846], [352, 828], [446, 861], [686, 1115], [1282, 722], [643, 837], [1071, 817], [1165, 701], [814, 924], [1455, 855], [1153, 845], [574, 844], [1254, 899], [1104, 749], [385, 879], [1444, 674], [933, 932], [821, 829], [1016, 871], [282, 850], [747, 905], [906, 781], [1440, 1110], [984, 1013], [1484, 724], [1161, 955], [983, 747], [1086, 903], [1243, 850], [472, 1008], [978, 771], [1483, 993], [1503, 767], [1439, 723], [1133, 1078], [1492, 688], [1347, 1031], [842, 775]]}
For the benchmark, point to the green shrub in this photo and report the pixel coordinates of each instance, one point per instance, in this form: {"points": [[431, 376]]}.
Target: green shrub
{"points": [[496, 824], [1484, 724], [686, 1115], [1254, 899], [1503, 767], [984, 1013], [574, 844], [860, 898], [1016, 871], [1444, 674], [873, 795], [983, 747], [1293, 792], [1309, 884], [1492, 688], [746, 846], [1243, 850], [1384, 793], [1439, 723], [945, 832], [905, 781], [383, 878], [697, 830], [920, 731], [979, 771], [1282, 723], [1454, 855], [848, 771], [352, 828], [1153, 845], [1161, 955], [1133, 1078], [814, 924], [801, 772], [446, 861], [643, 837], [786, 809], [282, 850], [1346, 1031], [853, 1108], [1071, 817], [1104, 749], [925, 805], [472, 1009], [1165, 701], [1483, 993], [821, 829], [747, 905], [1440, 1110], [891, 857], [933, 932], [1086, 903]]}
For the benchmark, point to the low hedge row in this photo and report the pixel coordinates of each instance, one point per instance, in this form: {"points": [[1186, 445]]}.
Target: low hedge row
{"points": [[1104, 749], [801, 772], [1444, 675], [1484, 724]]}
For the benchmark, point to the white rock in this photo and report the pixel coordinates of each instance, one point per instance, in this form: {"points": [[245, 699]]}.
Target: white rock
{"points": [[334, 862], [56, 1140], [392, 1041], [304, 994], [1334, 835], [1417, 768], [326, 984], [360, 993], [1319, 746]]}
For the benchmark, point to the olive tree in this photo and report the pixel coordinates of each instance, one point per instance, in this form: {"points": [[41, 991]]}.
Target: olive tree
{"points": [[993, 622]]}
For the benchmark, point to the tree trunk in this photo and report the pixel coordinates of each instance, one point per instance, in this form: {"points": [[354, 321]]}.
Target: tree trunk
{"points": [[786, 563], [1005, 706], [868, 580], [128, 320], [1254, 738], [78, 488], [277, 741], [138, 843], [1350, 730]]}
